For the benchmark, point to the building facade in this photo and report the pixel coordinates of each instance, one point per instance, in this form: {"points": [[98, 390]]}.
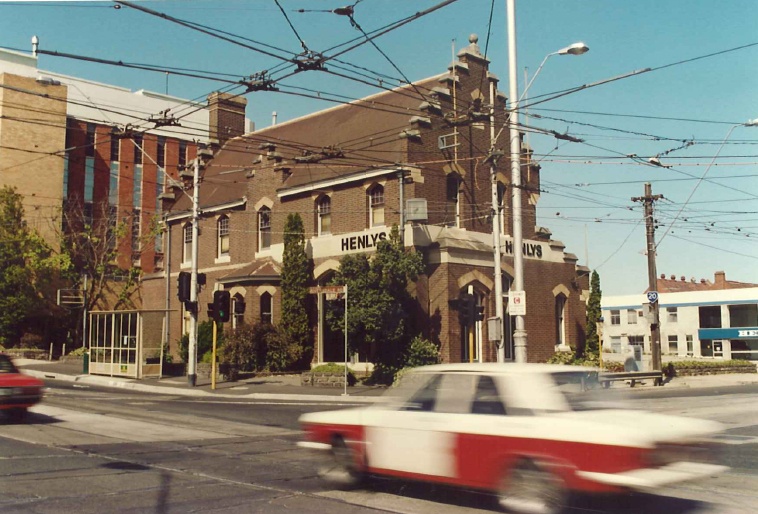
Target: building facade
{"points": [[87, 153], [414, 157], [698, 319]]}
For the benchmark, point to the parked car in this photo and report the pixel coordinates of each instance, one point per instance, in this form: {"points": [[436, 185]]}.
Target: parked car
{"points": [[18, 391], [530, 433]]}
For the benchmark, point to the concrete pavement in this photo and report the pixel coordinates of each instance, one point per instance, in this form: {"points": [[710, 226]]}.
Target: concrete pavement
{"points": [[287, 387]]}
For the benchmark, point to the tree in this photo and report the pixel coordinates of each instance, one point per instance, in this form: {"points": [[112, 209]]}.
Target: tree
{"points": [[295, 277], [29, 269], [593, 316], [379, 304]]}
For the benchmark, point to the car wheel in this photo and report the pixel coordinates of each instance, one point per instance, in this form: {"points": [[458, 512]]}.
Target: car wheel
{"points": [[17, 415], [343, 470], [531, 488]]}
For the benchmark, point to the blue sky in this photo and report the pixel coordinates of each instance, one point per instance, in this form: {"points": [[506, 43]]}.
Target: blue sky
{"points": [[679, 113]]}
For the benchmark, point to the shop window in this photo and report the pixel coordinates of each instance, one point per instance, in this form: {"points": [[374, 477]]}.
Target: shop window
{"points": [[264, 228], [376, 206], [222, 227], [615, 317], [631, 316], [671, 314]]}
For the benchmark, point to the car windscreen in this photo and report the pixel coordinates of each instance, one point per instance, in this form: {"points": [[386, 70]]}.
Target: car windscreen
{"points": [[6, 366]]}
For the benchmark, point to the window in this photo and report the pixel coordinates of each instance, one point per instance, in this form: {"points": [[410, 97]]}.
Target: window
{"points": [[616, 344], [376, 206], [486, 399], [690, 344], [222, 226], [238, 310], [137, 186], [631, 316], [115, 144], [452, 212], [182, 153], [615, 317], [560, 325], [501, 203], [136, 226], [324, 210], [137, 140], [89, 179], [671, 314], [161, 154], [113, 184], [264, 228], [674, 344], [89, 148], [187, 247], [267, 308]]}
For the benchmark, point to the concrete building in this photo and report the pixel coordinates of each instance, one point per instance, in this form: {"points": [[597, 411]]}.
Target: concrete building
{"points": [[417, 154], [86, 152], [698, 318]]}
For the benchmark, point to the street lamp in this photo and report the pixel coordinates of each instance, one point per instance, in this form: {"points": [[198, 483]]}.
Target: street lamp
{"points": [[519, 336]]}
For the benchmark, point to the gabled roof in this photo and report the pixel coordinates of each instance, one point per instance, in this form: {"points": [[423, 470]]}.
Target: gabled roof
{"points": [[368, 132], [261, 270]]}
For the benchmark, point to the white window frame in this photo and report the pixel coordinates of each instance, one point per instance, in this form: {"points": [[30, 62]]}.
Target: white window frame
{"points": [[615, 317], [376, 207], [324, 215], [631, 316], [186, 244], [672, 314], [222, 238]]}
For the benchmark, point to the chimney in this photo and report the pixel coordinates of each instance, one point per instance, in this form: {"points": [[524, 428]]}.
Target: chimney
{"points": [[226, 117], [683, 278], [720, 278], [673, 277]]}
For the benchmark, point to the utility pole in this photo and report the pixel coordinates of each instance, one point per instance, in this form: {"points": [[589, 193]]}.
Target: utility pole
{"points": [[193, 308], [655, 328], [496, 232]]}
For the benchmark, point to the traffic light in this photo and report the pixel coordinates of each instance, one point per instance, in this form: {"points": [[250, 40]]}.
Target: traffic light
{"points": [[466, 311], [184, 283], [221, 304], [479, 313]]}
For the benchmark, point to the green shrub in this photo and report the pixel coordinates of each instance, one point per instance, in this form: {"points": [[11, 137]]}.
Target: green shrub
{"points": [[282, 353], [32, 341], [78, 352], [670, 369], [338, 369], [421, 352], [204, 340], [242, 350]]}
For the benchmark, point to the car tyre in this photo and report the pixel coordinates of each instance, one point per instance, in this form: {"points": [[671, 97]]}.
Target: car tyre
{"points": [[343, 470], [530, 487]]}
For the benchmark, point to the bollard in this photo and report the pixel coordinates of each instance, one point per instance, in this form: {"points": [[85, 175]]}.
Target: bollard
{"points": [[50, 355]]}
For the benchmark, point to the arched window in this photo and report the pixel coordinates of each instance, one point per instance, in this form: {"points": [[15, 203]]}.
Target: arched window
{"points": [[267, 308], [560, 320], [238, 310], [376, 206], [264, 228], [452, 206], [324, 212], [187, 243], [222, 229]]}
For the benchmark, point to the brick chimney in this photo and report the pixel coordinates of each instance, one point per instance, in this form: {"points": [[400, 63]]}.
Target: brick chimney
{"points": [[720, 279], [227, 117]]}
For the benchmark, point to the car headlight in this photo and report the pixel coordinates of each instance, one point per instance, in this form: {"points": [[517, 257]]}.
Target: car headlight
{"points": [[6, 391]]}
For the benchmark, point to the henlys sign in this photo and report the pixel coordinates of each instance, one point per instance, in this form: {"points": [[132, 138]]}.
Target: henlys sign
{"points": [[533, 250]]}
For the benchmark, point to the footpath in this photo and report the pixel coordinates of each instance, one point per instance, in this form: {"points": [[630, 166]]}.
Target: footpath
{"points": [[288, 388]]}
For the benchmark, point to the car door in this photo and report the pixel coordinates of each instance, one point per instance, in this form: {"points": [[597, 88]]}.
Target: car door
{"points": [[419, 436]]}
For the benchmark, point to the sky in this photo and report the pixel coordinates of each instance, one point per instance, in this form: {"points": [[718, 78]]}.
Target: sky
{"points": [[685, 114]]}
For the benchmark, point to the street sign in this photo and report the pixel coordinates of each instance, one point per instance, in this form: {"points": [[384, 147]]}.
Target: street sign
{"points": [[652, 296], [71, 297], [327, 289], [517, 303]]}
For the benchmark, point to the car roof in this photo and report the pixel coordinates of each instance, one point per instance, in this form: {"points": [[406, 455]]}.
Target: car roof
{"points": [[501, 368]]}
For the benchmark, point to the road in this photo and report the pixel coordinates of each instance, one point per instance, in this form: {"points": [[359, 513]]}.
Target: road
{"points": [[97, 450]]}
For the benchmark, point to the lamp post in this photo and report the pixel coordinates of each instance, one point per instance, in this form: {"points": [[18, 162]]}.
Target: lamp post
{"points": [[519, 336]]}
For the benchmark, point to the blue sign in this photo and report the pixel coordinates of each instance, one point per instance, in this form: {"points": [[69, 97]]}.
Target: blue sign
{"points": [[728, 333], [652, 296]]}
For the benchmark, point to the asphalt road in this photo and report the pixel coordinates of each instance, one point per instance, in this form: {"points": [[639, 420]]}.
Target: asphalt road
{"points": [[87, 449]]}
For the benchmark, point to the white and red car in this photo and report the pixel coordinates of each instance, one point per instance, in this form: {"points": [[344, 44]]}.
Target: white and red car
{"points": [[18, 391], [531, 433]]}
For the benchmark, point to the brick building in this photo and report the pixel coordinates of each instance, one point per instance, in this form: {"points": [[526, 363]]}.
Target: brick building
{"points": [[98, 152], [352, 172]]}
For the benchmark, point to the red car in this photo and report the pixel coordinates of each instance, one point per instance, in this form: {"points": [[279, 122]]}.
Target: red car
{"points": [[530, 433], [18, 392]]}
